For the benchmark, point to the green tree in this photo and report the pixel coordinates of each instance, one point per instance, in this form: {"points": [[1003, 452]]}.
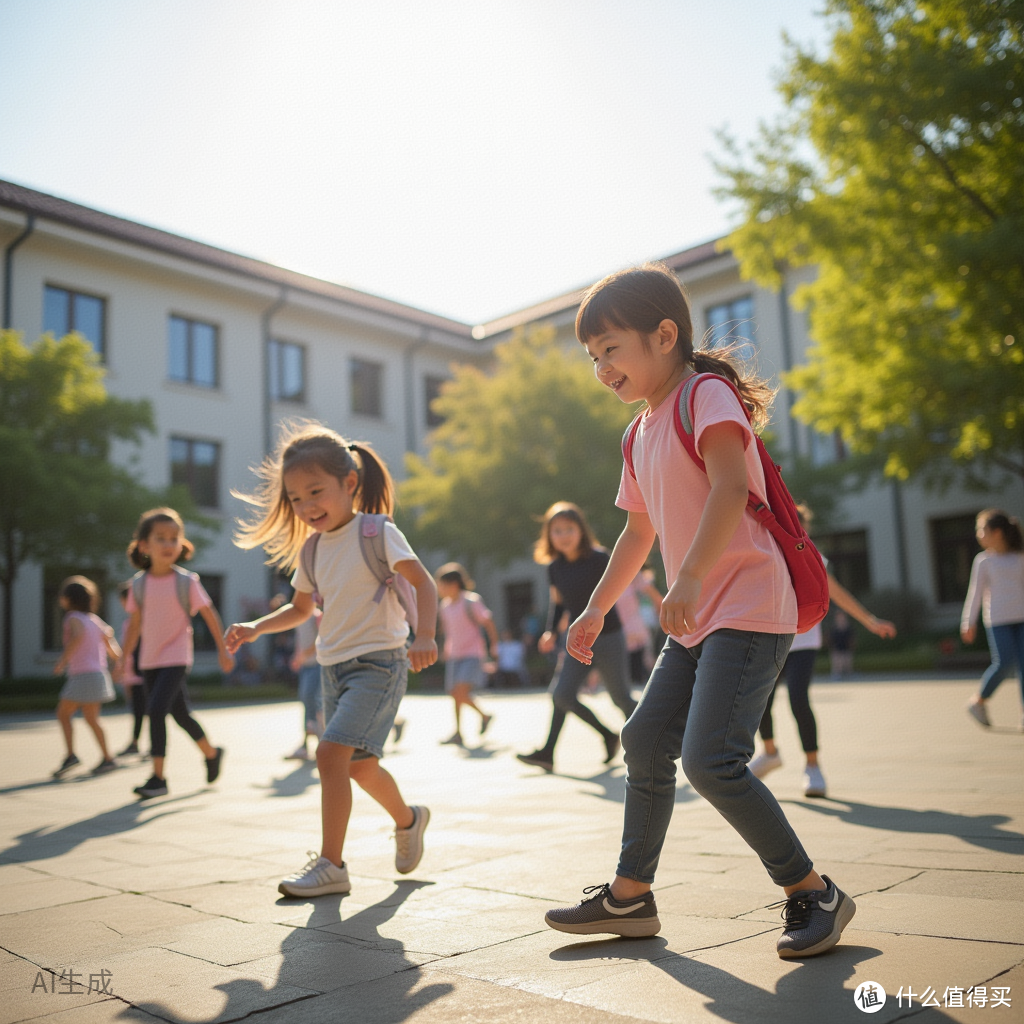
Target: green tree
{"points": [[62, 499], [897, 172], [536, 430]]}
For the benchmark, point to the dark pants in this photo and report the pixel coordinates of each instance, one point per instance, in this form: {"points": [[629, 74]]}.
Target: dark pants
{"points": [[138, 692], [168, 695], [797, 672]]}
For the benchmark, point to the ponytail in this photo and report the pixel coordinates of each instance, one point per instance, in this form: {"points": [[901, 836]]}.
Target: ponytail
{"points": [[1009, 526], [757, 394], [376, 491]]}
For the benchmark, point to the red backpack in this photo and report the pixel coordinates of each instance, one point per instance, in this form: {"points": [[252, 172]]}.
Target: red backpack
{"points": [[778, 516]]}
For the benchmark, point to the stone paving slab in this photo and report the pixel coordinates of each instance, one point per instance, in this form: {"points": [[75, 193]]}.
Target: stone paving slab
{"points": [[176, 898]]}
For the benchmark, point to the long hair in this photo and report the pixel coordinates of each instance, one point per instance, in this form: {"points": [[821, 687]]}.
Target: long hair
{"points": [[544, 552], [639, 299], [1009, 526], [147, 521], [81, 594], [305, 443]]}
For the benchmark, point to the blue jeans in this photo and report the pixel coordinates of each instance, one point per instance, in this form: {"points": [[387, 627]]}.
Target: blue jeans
{"points": [[703, 704], [1006, 645], [311, 697]]}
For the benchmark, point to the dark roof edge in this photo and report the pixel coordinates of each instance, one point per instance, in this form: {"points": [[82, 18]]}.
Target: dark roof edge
{"points": [[62, 211]]}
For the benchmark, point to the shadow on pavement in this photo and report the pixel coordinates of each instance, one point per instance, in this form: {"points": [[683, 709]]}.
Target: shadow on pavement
{"points": [[979, 830], [613, 785], [295, 783]]}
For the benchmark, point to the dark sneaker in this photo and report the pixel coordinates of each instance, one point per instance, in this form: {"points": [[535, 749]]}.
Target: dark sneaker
{"points": [[318, 878], [455, 740], [154, 787], [485, 723], [539, 759], [611, 743], [399, 728], [109, 765], [213, 765], [66, 765], [409, 841], [814, 920], [602, 913], [131, 750]]}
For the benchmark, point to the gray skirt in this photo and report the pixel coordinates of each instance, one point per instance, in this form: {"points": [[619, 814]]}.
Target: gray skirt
{"points": [[88, 688]]}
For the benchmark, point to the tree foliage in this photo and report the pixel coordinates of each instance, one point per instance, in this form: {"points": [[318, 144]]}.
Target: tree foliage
{"points": [[62, 499], [536, 430], [897, 172]]}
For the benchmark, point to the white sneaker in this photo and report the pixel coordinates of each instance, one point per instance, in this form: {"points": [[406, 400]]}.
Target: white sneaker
{"points": [[977, 710], [764, 763], [814, 781], [409, 841], [317, 878], [299, 754]]}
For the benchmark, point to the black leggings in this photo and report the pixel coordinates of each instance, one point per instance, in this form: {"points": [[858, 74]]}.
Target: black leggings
{"points": [[797, 672], [168, 694], [138, 692]]}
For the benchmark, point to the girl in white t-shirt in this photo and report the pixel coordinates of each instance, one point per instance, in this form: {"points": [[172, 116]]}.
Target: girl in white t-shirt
{"points": [[730, 612], [317, 482]]}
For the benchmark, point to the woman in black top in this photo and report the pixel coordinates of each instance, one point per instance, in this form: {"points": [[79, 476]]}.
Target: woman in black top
{"points": [[575, 564]]}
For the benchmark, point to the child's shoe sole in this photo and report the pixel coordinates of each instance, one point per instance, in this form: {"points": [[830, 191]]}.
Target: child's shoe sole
{"points": [[628, 929]]}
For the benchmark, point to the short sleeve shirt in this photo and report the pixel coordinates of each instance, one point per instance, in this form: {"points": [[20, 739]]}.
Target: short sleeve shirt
{"points": [[461, 620], [166, 637]]}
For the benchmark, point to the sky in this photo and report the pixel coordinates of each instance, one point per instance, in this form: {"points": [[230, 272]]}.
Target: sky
{"points": [[468, 158]]}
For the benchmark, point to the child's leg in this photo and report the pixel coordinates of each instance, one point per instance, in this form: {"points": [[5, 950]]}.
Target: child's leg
{"points": [[333, 760], [799, 670], [565, 688], [65, 712], [463, 694], [181, 712], [379, 783], [1001, 649], [91, 714], [767, 728], [611, 659], [138, 710]]}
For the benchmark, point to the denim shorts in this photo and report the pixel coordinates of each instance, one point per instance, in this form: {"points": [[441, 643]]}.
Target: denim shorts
{"points": [[361, 698], [463, 670]]}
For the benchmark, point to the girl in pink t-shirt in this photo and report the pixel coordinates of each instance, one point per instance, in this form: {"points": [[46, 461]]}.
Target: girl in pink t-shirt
{"points": [[160, 622], [730, 612], [463, 616], [88, 642]]}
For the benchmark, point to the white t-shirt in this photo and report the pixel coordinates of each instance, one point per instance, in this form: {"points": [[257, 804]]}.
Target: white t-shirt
{"points": [[997, 588], [352, 623]]}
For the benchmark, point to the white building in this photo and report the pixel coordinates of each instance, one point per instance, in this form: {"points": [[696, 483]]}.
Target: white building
{"points": [[224, 347]]}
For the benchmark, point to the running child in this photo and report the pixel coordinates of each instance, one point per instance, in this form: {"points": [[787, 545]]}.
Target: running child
{"points": [[317, 483], [730, 612], [575, 563], [997, 591], [463, 615], [88, 643], [162, 599], [131, 681]]}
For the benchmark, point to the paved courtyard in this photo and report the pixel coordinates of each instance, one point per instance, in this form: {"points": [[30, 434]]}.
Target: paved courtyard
{"points": [[169, 908]]}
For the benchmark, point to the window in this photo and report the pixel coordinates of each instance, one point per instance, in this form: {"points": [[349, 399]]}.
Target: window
{"points": [[731, 323], [847, 555], [53, 614], [202, 638], [518, 606], [66, 311], [953, 549], [196, 465], [287, 372], [432, 389], [367, 380], [192, 352]]}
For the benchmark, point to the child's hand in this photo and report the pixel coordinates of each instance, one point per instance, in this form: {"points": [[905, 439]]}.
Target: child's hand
{"points": [[296, 661], [422, 653], [579, 640], [546, 643], [239, 633], [882, 627], [968, 634], [58, 669], [679, 609], [226, 662]]}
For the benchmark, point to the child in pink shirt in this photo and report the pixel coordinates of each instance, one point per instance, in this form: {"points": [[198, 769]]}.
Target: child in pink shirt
{"points": [[88, 642], [163, 626], [463, 616]]}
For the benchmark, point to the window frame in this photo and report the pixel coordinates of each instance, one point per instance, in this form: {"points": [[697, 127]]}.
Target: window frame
{"points": [[356, 364], [960, 549], [276, 348], [190, 482], [190, 360], [746, 349], [857, 580], [70, 295], [432, 385]]}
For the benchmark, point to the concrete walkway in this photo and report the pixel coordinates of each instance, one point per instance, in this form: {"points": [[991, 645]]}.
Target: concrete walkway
{"points": [[171, 905]]}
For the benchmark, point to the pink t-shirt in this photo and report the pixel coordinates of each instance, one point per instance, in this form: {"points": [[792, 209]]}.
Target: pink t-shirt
{"points": [[91, 653], [166, 629], [628, 607], [461, 620], [749, 586]]}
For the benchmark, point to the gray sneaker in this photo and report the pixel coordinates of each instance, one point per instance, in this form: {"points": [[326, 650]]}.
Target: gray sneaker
{"points": [[603, 913], [977, 710], [814, 920], [317, 878], [409, 841]]}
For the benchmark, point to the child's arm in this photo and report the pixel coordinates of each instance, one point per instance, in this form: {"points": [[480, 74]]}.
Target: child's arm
{"points": [[216, 627], [842, 597], [288, 616], [423, 651], [972, 604], [75, 633], [722, 449], [492, 635], [627, 559], [113, 648], [131, 640]]}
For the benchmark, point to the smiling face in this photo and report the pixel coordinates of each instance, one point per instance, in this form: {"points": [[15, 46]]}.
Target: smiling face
{"points": [[636, 368], [319, 499], [163, 546]]}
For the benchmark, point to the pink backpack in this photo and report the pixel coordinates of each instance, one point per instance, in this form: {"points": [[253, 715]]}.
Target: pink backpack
{"points": [[778, 516], [372, 548]]}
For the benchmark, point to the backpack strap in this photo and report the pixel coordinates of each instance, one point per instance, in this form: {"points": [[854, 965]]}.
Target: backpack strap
{"points": [[628, 440], [183, 588], [374, 551], [139, 587], [307, 557]]}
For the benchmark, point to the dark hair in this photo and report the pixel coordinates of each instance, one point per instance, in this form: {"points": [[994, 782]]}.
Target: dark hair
{"points": [[639, 299], [452, 572], [1009, 526], [305, 443], [543, 551], [147, 522], [81, 594]]}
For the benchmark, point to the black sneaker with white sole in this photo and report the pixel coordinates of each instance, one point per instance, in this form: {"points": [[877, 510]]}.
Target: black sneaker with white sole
{"points": [[814, 920], [602, 913], [154, 787]]}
